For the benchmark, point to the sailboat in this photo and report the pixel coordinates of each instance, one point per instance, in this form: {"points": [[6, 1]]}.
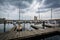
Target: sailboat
{"points": [[19, 27]]}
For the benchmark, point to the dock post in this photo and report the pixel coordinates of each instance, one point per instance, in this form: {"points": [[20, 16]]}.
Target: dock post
{"points": [[4, 25], [24, 26], [43, 24]]}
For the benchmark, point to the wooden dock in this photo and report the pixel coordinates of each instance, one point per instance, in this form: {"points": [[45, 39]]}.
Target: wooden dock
{"points": [[14, 35]]}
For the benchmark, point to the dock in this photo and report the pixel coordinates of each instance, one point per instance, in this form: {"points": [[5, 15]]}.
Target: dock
{"points": [[23, 35]]}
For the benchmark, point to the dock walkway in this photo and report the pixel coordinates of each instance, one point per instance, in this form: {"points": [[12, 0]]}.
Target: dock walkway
{"points": [[27, 34]]}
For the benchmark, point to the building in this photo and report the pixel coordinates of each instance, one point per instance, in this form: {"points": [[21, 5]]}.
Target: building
{"points": [[35, 17]]}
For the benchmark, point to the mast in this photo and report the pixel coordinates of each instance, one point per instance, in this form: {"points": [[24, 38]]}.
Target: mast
{"points": [[51, 13], [19, 13], [39, 16]]}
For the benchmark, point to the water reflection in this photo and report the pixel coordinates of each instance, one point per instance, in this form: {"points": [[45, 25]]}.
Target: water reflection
{"points": [[8, 27], [1, 27]]}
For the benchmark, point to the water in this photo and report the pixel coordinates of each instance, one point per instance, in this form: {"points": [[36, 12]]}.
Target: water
{"points": [[1, 27], [10, 26], [56, 37]]}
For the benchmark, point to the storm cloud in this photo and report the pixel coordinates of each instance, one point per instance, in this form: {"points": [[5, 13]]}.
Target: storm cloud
{"points": [[28, 7], [53, 3], [17, 3]]}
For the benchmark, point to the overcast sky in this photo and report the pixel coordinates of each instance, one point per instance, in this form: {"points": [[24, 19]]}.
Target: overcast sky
{"points": [[9, 9]]}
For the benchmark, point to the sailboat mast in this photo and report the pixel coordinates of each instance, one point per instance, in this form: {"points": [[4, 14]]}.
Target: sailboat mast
{"points": [[51, 13], [19, 13]]}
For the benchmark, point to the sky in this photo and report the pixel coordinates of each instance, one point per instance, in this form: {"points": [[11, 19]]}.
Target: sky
{"points": [[9, 9]]}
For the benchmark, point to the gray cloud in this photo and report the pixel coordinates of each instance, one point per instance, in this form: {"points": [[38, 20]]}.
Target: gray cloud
{"points": [[6, 5], [49, 4], [54, 3], [16, 3]]}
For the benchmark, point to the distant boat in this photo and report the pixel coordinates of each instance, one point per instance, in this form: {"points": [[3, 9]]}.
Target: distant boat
{"points": [[37, 26], [53, 23]]}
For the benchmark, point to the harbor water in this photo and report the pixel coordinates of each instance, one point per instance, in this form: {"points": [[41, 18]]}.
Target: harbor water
{"points": [[10, 26]]}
